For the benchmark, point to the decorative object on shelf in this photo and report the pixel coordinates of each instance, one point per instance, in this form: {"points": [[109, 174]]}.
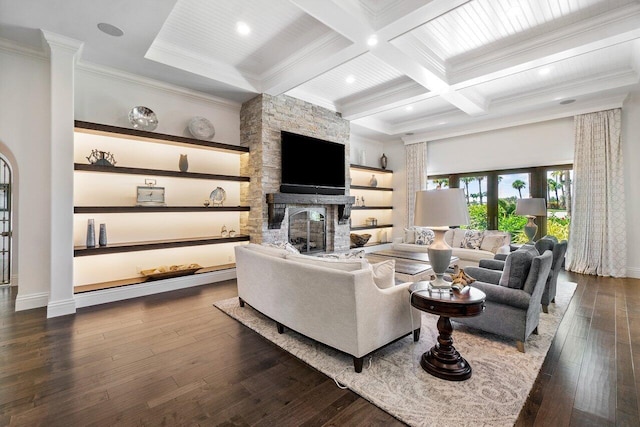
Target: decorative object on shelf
{"points": [[206, 203], [232, 233], [91, 233], [357, 200], [183, 163], [218, 196], [224, 232], [143, 118], [149, 195], [362, 201], [363, 157], [531, 208], [101, 158], [359, 240], [165, 272], [371, 222], [440, 209], [102, 237], [201, 128], [382, 236], [383, 161], [373, 181]]}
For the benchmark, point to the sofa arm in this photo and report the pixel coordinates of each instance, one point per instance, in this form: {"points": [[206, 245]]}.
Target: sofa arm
{"points": [[484, 274], [492, 264], [500, 257]]}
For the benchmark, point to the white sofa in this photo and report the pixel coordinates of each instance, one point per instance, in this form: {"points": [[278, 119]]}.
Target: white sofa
{"points": [[335, 302], [469, 247]]}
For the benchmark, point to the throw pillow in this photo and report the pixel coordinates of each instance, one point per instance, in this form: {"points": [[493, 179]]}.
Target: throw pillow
{"points": [[458, 237], [492, 242], [355, 254], [283, 245], [338, 264], [472, 239], [268, 250], [409, 236], [424, 236], [516, 268], [384, 273], [448, 237]]}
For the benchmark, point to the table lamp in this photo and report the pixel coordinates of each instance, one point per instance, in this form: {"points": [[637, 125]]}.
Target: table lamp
{"points": [[531, 208], [438, 209]]}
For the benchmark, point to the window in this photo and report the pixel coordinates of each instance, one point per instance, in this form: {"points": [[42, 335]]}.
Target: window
{"points": [[492, 196]]}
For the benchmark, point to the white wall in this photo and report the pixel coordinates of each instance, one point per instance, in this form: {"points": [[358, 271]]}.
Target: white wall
{"points": [[373, 151], [24, 137], [631, 152]]}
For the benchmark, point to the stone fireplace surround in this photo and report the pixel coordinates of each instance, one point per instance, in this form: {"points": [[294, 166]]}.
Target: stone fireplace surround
{"points": [[261, 120]]}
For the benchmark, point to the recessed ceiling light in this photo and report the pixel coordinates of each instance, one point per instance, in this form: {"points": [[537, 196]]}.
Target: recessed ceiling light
{"points": [[242, 28], [558, 98], [350, 79], [544, 71], [372, 40], [567, 101], [409, 107], [112, 30]]}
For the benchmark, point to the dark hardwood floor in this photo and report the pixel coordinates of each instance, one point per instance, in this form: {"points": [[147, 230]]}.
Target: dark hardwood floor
{"points": [[174, 359]]}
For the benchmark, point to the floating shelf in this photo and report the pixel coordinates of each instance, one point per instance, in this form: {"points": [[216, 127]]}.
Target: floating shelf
{"points": [[369, 208], [137, 280], [158, 172], [147, 209], [370, 168], [366, 187], [79, 251], [367, 227], [120, 132]]}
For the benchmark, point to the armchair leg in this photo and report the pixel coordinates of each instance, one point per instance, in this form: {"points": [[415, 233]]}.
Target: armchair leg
{"points": [[416, 335], [535, 331], [241, 302], [357, 363], [520, 346], [553, 300], [545, 308], [280, 327]]}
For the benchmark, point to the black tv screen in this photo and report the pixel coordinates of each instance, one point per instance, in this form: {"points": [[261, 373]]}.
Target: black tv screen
{"points": [[311, 165]]}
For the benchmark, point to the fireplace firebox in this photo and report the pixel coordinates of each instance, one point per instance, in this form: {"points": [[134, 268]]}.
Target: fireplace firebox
{"points": [[307, 229]]}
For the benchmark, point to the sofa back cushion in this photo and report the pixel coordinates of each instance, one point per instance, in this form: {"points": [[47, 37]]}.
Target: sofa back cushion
{"points": [[458, 237], [384, 273], [409, 235], [472, 239], [424, 235], [494, 240], [338, 264], [517, 266], [267, 250]]}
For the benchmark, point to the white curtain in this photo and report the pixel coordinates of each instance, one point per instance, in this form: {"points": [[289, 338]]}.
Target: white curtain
{"points": [[416, 158], [597, 236]]}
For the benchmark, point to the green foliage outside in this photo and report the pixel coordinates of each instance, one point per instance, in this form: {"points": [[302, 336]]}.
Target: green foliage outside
{"points": [[514, 224]]}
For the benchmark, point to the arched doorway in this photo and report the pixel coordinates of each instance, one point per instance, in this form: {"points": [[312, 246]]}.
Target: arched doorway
{"points": [[5, 222]]}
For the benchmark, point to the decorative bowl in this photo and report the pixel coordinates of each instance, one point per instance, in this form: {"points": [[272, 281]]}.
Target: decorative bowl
{"points": [[359, 240], [201, 128], [143, 118], [218, 196]]}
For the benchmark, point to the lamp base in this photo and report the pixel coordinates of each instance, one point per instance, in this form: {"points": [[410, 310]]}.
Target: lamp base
{"points": [[439, 257], [530, 228]]}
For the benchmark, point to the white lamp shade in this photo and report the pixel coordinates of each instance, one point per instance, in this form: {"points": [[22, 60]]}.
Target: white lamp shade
{"points": [[441, 208], [531, 207]]}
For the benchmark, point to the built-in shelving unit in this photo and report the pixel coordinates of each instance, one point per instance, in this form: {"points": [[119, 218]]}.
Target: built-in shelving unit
{"points": [[184, 231], [377, 202]]}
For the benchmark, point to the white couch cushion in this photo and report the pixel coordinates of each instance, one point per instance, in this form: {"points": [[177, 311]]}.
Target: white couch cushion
{"points": [[384, 273], [338, 264], [458, 236], [283, 245], [267, 250], [409, 235], [474, 255], [492, 242]]}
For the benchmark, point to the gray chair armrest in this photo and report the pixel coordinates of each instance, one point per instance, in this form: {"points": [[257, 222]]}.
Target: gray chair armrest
{"points": [[500, 257], [484, 274], [492, 264], [503, 295]]}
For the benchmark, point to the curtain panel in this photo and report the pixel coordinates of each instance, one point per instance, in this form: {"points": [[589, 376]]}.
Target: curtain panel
{"points": [[597, 235], [416, 163]]}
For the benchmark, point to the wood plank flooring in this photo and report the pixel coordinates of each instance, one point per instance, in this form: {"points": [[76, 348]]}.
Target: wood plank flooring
{"points": [[174, 359]]}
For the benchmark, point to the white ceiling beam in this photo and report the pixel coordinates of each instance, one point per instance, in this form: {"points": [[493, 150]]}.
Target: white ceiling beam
{"points": [[374, 124], [393, 97]]}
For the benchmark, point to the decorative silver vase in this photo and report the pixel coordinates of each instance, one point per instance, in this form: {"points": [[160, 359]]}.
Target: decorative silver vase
{"points": [[373, 182], [91, 234], [183, 164], [102, 239]]}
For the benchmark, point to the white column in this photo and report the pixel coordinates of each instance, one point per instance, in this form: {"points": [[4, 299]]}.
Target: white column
{"points": [[64, 52]]}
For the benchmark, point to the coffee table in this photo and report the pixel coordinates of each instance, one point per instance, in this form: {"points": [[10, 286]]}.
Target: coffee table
{"points": [[443, 360]]}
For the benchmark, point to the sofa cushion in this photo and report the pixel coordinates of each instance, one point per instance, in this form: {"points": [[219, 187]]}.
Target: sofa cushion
{"points": [[409, 235], [458, 237], [424, 236], [474, 255], [353, 254], [283, 245], [338, 264], [384, 273], [448, 237], [516, 267], [268, 250], [472, 239], [492, 242]]}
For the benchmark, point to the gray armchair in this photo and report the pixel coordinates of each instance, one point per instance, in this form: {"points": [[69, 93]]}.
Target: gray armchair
{"points": [[513, 296], [550, 243]]}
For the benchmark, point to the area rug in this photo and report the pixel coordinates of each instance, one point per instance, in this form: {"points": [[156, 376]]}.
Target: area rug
{"points": [[493, 396]]}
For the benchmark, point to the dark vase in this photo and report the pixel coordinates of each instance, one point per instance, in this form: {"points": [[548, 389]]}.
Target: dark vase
{"points": [[383, 161]]}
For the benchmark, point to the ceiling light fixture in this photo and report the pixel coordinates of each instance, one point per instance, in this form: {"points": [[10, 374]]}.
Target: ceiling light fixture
{"points": [[242, 28], [567, 101], [372, 40], [350, 79], [544, 71], [109, 29]]}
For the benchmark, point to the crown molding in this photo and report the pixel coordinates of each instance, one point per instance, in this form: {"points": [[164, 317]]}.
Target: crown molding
{"points": [[66, 44], [103, 71], [9, 46]]}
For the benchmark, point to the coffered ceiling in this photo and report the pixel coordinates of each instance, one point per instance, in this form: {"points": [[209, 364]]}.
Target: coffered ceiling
{"points": [[439, 67]]}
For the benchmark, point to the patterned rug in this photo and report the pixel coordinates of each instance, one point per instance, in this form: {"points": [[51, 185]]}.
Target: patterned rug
{"points": [[493, 396]]}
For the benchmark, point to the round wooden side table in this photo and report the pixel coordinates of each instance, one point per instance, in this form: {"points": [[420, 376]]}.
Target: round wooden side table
{"points": [[443, 360]]}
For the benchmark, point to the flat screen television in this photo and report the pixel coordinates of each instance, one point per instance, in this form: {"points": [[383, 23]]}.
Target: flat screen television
{"points": [[311, 165]]}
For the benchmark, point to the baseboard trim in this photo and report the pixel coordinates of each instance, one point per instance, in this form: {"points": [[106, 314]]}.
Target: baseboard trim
{"points": [[61, 308], [633, 272], [104, 296], [30, 301]]}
